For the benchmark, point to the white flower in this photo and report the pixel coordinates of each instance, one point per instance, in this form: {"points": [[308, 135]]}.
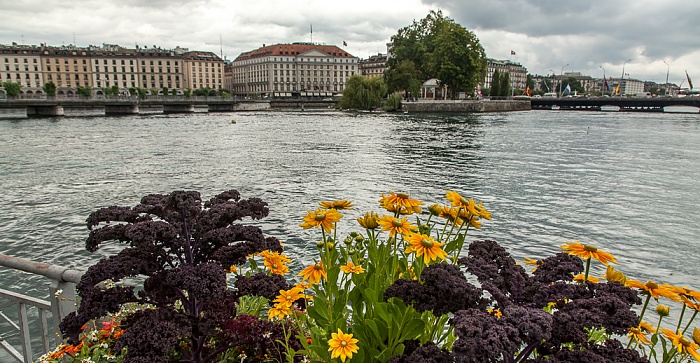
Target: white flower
{"points": [[104, 345], [87, 360]]}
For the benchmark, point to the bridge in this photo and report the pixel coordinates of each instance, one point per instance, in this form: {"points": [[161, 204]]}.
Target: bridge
{"points": [[123, 105], [635, 104]]}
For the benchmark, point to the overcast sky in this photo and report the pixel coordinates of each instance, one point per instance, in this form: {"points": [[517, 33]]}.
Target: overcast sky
{"points": [[546, 35]]}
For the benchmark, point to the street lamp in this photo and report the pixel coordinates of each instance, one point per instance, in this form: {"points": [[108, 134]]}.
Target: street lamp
{"points": [[666, 85], [623, 73], [561, 76]]}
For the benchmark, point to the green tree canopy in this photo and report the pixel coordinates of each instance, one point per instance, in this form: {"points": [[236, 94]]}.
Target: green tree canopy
{"points": [[49, 88], [12, 89], [505, 85], [84, 91], [363, 93], [495, 84], [403, 77], [439, 48], [574, 83]]}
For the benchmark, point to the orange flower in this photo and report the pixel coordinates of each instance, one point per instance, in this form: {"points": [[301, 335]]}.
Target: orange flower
{"points": [[313, 273], [588, 251], [468, 205], [369, 220], [425, 246], [337, 204], [342, 345], [288, 297], [683, 345], [279, 312], [352, 268], [324, 218], [614, 276], [400, 202], [276, 262], [579, 278], [396, 226], [653, 289]]}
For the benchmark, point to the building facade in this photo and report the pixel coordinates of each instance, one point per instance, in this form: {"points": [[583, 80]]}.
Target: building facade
{"points": [[518, 73], [22, 65], [374, 66], [108, 66], [304, 69]]}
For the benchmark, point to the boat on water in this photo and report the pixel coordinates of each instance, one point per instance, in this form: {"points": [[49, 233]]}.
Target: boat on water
{"points": [[555, 107], [610, 108], [681, 109]]}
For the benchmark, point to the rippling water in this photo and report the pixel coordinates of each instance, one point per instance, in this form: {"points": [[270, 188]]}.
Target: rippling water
{"points": [[628, 183]]}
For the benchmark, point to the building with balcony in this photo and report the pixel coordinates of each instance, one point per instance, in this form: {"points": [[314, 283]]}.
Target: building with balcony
{"points": [[374, 66], [304, 69], [22, 64], [518, 73]]}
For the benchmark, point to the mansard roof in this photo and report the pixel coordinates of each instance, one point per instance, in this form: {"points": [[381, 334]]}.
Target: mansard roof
{"points": [[294, 49]]}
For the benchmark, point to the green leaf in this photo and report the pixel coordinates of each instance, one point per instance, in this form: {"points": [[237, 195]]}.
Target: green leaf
{"points": [[413, 329]]}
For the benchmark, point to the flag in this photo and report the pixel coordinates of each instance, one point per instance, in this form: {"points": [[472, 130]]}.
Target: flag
{"points": [[512, 52], [617, 89], [606, 85], [478, 92], [345, 44], [527, 91], [690, 83]]}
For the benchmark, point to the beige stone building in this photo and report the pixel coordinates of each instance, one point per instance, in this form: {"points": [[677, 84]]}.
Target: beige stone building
{"points": [[374, 66], [203, 70], [113, 65], [67, 67], [22, 64], [303, 69], [518, 73]]}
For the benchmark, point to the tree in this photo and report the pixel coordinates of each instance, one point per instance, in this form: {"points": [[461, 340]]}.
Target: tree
{"points": [[49, 88], [363, 93], [12, 89], [574, 84], [85, 91], [505, 85], [530, 82], [439, 48], [404, 77], [495, 84]]}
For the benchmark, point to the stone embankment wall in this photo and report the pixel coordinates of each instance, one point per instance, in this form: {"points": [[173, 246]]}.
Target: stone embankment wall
{"points": [[251, 106], [466, 106]]}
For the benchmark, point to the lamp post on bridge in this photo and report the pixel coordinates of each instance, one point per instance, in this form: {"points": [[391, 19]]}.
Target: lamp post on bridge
{"points": [[666, 85], [602, 86], [623, 74], [561, 76]]}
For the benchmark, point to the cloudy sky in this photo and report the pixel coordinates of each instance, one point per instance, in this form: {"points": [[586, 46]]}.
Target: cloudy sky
{"points": [[546, 35]]}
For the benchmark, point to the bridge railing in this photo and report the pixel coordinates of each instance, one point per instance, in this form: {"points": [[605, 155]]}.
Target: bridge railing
{"points": [[25, 316]]}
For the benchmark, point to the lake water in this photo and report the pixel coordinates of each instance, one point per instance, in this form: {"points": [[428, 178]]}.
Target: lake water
{"points": [[628, 183]]}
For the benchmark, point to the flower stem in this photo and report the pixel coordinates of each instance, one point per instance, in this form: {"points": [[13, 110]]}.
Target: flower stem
{"points": [[690, 321]]}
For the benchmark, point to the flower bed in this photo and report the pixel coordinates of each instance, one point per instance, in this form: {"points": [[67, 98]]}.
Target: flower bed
{"points": [[406, 287]]}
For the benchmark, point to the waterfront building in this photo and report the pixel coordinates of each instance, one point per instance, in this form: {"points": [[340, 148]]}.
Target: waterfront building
{"points": [[518, 73], [304, 69], [107, 66], [22, 64], [67, 67], [374, 66]]}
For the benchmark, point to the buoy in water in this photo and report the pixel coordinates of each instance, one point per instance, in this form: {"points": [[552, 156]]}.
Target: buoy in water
{"points": [[233, 121]]}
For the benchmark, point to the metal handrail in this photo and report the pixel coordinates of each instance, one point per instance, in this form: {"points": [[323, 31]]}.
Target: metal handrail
{"points": [[62, 302]]}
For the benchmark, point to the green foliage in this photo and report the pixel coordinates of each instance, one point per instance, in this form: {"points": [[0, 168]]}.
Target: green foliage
{"points": [[85, 91], [49, 88], [12, 89], [530, 82], [187, 92], [393, 102], [574, 84], [440, 48], [403, 77], [495, 90], [363, 93], [165, 91], [173, 92], [505, 85]]}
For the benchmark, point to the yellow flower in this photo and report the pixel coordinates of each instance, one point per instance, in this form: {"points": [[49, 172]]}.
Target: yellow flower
{"points": [[653, 289], [324, 218], [579, 278], [456, 199], [469, 205], [396, 226], [615, 276], [638, 334], [313, 273], [663, 310], [342, 345], [352, 268], [369, 220], [337, 204], [232, 269], [425, 246], [495, 312], [690, 303], [696, 335], [288, 297], [683, 292], [588, 251], [279, 311], [683, 345], [400, 202], [276, 262], [532, 261]]}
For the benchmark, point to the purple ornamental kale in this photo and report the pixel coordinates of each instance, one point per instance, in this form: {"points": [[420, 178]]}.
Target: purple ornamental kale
{"points": [[428, 353], [443, 289], [482, 338], [181, 247]]}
